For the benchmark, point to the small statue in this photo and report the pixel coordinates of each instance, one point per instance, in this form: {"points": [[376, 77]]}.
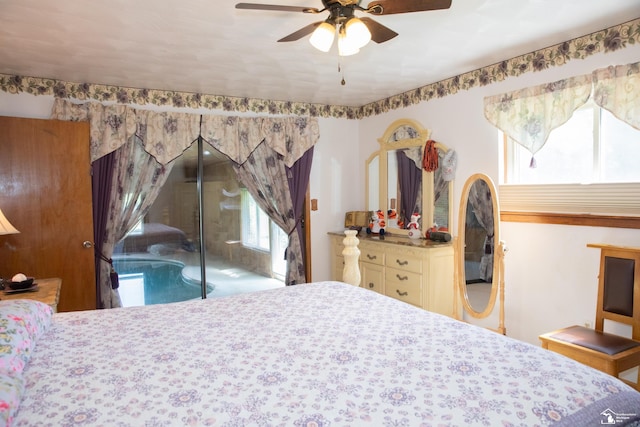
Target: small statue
{"points": [[414, 227], [392, 218], [377, 224]]}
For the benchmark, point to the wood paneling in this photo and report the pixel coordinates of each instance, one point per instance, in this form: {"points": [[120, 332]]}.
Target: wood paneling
{"points": [[45, 191]]}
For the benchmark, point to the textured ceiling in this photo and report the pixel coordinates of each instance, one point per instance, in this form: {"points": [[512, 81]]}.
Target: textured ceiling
{"points": [[211, 47]]}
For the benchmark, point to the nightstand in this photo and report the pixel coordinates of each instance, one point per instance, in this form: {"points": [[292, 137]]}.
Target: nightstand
{"points": [[48, 292]]}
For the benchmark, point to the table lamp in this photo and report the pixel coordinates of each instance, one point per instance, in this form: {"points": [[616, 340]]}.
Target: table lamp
{"points": [[5, 225], [6, 228]]}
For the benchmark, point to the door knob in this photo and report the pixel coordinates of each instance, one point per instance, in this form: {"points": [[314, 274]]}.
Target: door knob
{"points": [[87, 244]]}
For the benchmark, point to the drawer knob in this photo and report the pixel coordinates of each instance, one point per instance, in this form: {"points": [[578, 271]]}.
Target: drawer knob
{"points": [[402, 277], [402, 294], [371, 285], [401, 262]]}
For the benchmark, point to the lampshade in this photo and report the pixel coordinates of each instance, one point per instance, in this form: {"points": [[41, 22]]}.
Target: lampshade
{"points": [[357, 32], [322, 37], [5, 225], [346, 46]]}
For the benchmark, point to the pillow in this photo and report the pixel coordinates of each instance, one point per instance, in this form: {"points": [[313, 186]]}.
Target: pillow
{"points": [[22, 322], [11, 390]]}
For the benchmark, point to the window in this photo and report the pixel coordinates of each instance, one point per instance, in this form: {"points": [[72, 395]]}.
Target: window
{"points": [[138, 228], [592, 147], [259, 232], [587, 166], [255, 223]]}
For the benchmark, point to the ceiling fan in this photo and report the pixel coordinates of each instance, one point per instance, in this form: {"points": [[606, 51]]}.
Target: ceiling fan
{"points": [[353, 32]]}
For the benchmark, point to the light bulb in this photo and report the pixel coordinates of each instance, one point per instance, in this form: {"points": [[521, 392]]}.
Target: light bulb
{"points": [[322, 37], [357, 32], [345, 45]]}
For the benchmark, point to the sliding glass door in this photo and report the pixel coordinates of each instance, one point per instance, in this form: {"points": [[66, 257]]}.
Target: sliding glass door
{"points": [[165, 258]]}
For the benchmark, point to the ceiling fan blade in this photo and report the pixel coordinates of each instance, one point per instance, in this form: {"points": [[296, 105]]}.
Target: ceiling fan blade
{"points": [[258, 6], [297, 35], [388, 7], [379, 33]]}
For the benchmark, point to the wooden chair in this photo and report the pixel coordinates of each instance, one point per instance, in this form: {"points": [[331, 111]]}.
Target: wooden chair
{"points": [[619, 301]]}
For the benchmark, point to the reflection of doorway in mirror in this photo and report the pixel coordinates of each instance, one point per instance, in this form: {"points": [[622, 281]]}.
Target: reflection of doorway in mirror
{"points": [[478, 279]]}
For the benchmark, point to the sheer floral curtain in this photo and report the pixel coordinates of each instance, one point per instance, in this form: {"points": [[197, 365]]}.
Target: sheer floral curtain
{"points": [[138, 178], [264, 150], [440, 184], [263, 173], [617, 89], [529, 115]]}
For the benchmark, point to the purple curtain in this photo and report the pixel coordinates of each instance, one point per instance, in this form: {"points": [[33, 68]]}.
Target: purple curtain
{"points": [[410, 182], [102, 174], [298, 177], [265, 176]]}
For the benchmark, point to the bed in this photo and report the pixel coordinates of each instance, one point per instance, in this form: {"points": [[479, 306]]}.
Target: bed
{"points": [[318, 354], [155, 238]]}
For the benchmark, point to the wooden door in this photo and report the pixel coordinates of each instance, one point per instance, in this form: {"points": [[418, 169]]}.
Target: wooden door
{"points": [[45, 192]]}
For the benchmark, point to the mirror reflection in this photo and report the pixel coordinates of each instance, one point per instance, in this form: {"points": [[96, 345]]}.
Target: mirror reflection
{"points": [[441, 194], [479, 245], [398, 185], [404, 182], [373, 178]]}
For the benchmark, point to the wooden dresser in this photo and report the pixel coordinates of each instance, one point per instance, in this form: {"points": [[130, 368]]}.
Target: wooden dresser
{"points": [[48, 292], [419, 272]]}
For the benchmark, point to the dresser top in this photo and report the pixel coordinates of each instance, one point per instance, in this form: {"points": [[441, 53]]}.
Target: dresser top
{"points": [[394, 240]]}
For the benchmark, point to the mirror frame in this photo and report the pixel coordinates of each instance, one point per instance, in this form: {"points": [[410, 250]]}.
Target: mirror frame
{"points": [[428, 196], [497, 286]]}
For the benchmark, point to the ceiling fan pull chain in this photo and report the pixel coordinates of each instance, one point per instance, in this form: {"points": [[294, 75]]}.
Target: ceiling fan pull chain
{"points": [[341, 70]]}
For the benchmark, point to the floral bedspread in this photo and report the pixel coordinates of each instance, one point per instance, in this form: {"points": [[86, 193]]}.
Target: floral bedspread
{"points": [[322, 354]]}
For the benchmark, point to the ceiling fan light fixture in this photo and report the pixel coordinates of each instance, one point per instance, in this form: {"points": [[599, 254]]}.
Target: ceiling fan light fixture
{"points": [[346, 47], [357, 32], [322, 37]]}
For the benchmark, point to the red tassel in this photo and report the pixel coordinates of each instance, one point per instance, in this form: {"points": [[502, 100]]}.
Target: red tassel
{"points": [[430, 156]]}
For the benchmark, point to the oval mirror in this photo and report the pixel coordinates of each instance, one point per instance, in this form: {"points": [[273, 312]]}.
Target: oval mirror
{"points": [[479, 266]]}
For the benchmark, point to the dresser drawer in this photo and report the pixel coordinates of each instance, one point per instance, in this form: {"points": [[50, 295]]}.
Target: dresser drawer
{"points": [[404, 262], [371, 255], [404, 286], [372, 277]]}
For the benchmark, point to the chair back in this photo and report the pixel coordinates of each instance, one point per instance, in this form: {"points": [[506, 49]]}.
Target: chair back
{"points": [[619, 287]]}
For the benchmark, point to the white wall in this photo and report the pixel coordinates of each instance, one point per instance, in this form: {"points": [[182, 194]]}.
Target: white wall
{"points": [[551, 276], [337, 181]]}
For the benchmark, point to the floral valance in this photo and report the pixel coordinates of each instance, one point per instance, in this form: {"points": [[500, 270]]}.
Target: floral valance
{"points": [[289, 136], [168, 134], [529, 115], [617, 89]]}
